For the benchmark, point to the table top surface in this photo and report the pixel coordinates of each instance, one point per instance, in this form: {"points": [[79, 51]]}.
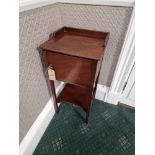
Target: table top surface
{"points": [[77, 42]]}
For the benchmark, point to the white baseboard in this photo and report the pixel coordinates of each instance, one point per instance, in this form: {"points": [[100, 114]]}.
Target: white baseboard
{"points": [[32, 138], [130, 103], [101, 92], [114, 98]]}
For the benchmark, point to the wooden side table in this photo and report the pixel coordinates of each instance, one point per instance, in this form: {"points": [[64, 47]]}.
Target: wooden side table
{"points": [[75, 57]]}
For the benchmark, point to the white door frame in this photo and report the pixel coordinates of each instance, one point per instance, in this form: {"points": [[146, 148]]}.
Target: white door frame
{"points": [[130, 84], [124, 65]]}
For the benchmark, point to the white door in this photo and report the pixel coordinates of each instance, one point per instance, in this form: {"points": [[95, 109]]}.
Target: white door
{"points": [[128, 91]]}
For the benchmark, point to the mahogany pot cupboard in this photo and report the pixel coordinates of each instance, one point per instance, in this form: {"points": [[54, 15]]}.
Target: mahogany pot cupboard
{"points": [[74, 56]]}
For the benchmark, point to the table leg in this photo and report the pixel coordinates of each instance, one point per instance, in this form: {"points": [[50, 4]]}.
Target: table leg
{"points": [[87, 116], [53, 94]]}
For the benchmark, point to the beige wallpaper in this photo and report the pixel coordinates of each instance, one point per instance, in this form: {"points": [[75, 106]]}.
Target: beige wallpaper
{"points": [[102, 18], [37, 24], [35, 27]]}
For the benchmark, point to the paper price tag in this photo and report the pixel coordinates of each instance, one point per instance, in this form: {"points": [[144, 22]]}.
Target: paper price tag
{"points": [[51, 74]]}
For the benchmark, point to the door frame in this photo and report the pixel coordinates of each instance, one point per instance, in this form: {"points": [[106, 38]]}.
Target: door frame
{"points": [[127, 98], [124, 66]]}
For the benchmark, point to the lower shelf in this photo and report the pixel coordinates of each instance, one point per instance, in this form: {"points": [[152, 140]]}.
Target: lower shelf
{"points": [[76, 95]]}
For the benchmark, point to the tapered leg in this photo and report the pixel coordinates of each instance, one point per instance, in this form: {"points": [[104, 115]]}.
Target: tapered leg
{"points": [[90, 100], [87, 116], [53, 94]]}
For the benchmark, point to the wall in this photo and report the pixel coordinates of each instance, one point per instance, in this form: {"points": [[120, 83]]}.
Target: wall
{"points": [[37, 24], [102, 18], [35, 27]]}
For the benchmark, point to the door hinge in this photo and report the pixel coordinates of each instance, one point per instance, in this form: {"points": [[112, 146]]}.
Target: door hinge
{"points": [[125, 85]]}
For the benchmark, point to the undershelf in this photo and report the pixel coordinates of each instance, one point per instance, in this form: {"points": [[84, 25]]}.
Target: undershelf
{"points": [[74, 95]]}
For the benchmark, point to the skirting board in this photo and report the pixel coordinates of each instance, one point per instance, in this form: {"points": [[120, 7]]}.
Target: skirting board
{"points": [[101, 92], [114, 98], [32, 138]]}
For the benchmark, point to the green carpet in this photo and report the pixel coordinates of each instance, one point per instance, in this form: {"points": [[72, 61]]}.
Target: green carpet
{"points": [[111, 131]]}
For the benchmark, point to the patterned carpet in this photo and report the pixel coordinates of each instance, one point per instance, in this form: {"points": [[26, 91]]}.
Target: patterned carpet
{"points": [[111, 131]]}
